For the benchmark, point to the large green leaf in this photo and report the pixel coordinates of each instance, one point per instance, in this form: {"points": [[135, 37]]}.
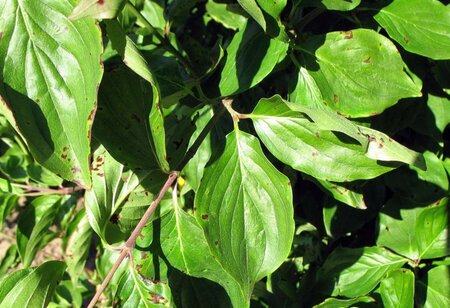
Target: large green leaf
{"points": [[308, 147], [187, 249], [355, 272], [126, 122], [414, 231], [359, 72], [33, 227], [50, 69], [272, 7], [251, 56], [420, 26], [244, 206], [31, 288], [100, 9], [433, 289], [397, 289]]}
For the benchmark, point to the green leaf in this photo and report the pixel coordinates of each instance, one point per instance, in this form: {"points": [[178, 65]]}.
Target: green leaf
{"points": [[348, 193], [8, 261], [126, 121], [433, 289], [133, 290], [307, 147], [420, 26], [353, 272], [31, 289], [413, 231], [7, 203], [359, 72], [33, 226], [344, 303], [252, 8], [251, 56], [272, 7], [78, 245], [306, 91], [14, 163], [136, 62], [382, 147], [100, 9], [50, 99], [339, 5], [193, 170], [244, 206], [42, 175], [397, 289], [187, 249], [226, 14]]}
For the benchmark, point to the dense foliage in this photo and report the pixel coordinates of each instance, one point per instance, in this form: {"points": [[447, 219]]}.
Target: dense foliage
{"points": [[311, 139]]}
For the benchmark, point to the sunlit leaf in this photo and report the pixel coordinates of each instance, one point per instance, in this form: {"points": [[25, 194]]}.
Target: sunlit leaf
{"points": [[420, 26], [397, 289], [244, 206], [28, 288], [51, 96], [359, 72]]}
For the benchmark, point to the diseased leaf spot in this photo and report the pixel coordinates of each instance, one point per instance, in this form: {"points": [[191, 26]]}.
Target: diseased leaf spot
{"points": [[101, 174], [367, 61], [335, 99], [317, 134], [315, 154], [65, 149], [101, 2], [76, 170], [406, 40], [1, 35], [63, 156], [216, 242], [348, 35], [205, 216]]}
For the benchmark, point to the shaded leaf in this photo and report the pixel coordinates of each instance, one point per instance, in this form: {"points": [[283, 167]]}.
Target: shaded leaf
{"points": [[272, 7], [251, 56], [359, 72], [77, 247], [126, 108], [244, 206], [348, 193], [355, 272], [31, 288], [50, 99], [433, 289], [339, 5], [414, 231], [33, 227], [420, 26]]}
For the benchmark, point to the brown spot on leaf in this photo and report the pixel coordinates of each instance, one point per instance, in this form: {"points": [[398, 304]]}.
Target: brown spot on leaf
{"points": [[63, 156], [99, 159], [348, 35], [101, 174], [1, 35], [216, 242], [65, 149], [406, 40], [367, 61], [317, 134], [101, 2], [204, 216], [76, 170], [335, 99], [315, 154]]}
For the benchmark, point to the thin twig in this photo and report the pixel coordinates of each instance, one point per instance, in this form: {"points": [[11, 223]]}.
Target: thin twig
{"points": [[37, 191]]}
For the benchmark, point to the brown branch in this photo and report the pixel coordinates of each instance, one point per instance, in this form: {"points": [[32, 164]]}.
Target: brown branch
{"points": [[31, 190]]}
